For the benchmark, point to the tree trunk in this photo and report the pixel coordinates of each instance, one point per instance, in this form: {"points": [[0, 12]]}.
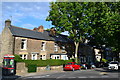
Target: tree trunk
{"points": [[76, 51]]}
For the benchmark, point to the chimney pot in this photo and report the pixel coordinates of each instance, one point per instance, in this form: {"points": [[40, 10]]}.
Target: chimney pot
{"points": [[41, 29], [7, 23]]}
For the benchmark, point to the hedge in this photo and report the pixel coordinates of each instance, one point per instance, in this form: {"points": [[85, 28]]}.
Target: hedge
{"points": [[32, 68], [41, 63]]}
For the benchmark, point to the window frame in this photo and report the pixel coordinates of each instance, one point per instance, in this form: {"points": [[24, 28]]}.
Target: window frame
{"points": [[43, 46], [24, 44]]}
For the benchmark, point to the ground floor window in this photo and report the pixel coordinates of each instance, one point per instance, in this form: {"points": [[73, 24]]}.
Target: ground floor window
{"points": [[60, 56], [34, 56], [23, 56], [43, 57], [64, 57]]}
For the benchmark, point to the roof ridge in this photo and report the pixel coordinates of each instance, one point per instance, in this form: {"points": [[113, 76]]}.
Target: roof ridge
{"points": [[23, 28]]}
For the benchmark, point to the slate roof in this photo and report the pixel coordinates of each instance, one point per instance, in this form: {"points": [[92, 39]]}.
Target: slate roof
{"points": [[22, 32]]}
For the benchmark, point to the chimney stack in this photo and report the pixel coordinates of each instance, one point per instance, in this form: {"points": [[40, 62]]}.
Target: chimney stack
{"points": [[41, 29], [52, 31], [35, 29], [8, 23]]}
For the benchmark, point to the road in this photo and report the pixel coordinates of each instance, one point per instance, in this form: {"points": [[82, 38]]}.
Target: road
{"points": [[79, 74]]}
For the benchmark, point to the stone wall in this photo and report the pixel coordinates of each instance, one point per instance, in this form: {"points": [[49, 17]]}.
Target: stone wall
{"points": [[20, 68], [34, 45], [7, 41], [0, 44], [51, 68]]}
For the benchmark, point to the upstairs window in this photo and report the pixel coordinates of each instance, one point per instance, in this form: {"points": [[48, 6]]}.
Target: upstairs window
{"points": [[55, 47], [63, 48], [43, 46], [23, 44]]}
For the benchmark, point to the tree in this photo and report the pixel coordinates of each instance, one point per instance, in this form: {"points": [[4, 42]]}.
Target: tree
{"points": [[82, 20], [70, 17], [107, 25]]}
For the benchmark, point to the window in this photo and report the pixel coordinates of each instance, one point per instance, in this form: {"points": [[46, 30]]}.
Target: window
{"points": [[43, 46], [43, 57], [55, 47], [55, 56], [23, 56], [63, 48], [34, 56], [23, 44]]}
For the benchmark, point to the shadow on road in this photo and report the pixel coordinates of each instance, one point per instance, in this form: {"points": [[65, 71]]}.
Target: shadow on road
{"points": [[10, 77], [104, 69]]}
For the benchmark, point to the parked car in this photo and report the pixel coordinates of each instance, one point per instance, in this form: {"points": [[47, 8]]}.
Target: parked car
{"points": [[71, 66], [113, 65]]}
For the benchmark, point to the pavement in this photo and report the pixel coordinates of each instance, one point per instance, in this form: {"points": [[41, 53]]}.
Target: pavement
{"points": [[43, 72], [0, 72]]}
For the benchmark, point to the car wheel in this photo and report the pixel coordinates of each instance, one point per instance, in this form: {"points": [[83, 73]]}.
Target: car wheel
{"points": [[73, 69]]}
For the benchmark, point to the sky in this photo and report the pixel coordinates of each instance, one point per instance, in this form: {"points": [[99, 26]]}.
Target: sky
{"points": [[26, 14]]}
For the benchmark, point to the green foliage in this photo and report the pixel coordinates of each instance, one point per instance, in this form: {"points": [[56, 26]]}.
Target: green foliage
{"points": [[40, 63], [17, 58], [101, 20], [32, 68]]}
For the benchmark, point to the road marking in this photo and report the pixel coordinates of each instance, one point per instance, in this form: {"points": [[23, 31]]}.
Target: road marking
{"points": [[92, 76], [71, 77], [103, 73], [82, 77], [104, 76], [47, 75]]}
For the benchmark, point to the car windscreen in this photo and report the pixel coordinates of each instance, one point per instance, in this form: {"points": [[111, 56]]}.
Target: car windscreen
{"points": [[114, 63], [69, 63]]}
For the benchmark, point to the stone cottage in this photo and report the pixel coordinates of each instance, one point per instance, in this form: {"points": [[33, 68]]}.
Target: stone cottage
{"points": [[35, 44]]}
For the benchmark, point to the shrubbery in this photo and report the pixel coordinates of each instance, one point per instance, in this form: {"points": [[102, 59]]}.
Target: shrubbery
{"points": [[40, 63], [33, 64], [32, 68]]}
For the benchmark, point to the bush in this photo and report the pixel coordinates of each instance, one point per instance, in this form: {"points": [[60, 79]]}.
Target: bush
{"points": [[18, 59], [32, 68]]}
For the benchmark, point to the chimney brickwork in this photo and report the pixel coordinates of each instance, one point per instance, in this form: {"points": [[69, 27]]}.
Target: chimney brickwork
{"points": [[39, 29], [7, 23]]}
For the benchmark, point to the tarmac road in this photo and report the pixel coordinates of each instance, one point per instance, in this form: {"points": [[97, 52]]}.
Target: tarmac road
{"points": [[90, 74]]}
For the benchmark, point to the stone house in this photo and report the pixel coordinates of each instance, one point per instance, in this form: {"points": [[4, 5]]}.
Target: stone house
{"points": [[35, 44], [86, 53], [0, 43]]}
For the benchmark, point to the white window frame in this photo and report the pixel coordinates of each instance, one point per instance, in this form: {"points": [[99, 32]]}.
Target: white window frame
{"points": [[33, 57], [43, 57], [43, 46], [24, 57], [24, 44], [55, 57], [55, 47], [63, 48]]}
